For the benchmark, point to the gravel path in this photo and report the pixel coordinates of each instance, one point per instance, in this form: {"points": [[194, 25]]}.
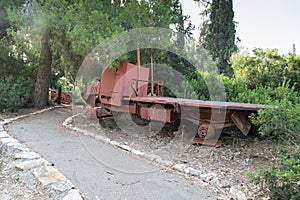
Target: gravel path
{"points": [[99, 170]]}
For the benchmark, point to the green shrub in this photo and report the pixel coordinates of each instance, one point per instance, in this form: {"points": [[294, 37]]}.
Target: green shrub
{"points": [[233, 87], [281, 116], [280, 122], [266, 67], [15, 92], [283, 181], [268, 95], [211, 86], [198, 85]]}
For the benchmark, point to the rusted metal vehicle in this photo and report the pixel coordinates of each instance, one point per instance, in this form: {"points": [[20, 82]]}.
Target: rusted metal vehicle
{"points": [[126, 90], [65, 98]]}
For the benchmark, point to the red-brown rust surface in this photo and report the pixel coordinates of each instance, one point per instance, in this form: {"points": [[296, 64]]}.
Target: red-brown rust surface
{"points": [[199, 103]]}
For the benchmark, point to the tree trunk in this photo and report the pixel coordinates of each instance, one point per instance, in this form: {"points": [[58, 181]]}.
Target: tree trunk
{"points": [[41, 94]]}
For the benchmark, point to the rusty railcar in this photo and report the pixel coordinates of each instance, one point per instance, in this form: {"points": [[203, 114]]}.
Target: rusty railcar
{"points": [[126, 90]]}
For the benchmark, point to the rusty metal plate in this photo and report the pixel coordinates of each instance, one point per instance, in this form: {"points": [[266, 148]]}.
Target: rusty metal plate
{"points": [[241, 120], [156, 114], [199, 103]]}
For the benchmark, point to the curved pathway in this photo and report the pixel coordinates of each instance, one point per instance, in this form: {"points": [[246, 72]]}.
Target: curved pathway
{"points": [[99, 170]]}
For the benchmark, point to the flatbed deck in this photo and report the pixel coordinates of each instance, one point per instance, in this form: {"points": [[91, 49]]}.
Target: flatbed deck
{"points": [[198, 103]]}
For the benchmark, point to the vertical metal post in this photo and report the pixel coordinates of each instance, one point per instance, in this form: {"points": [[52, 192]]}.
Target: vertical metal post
{"points": [[59, 95], [138, 57], [152, 76]]}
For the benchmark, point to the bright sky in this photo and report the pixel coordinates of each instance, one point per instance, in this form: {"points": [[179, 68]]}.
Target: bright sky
{"points": [[261, 23]]}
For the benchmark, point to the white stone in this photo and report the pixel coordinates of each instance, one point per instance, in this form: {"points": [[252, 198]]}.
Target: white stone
{"points": [[124, 147], [179, 167], [103, 139], [27, 155], [167, 163], [73, 195], [186, 170], [75, 129], [210, 176], [62, 186], [238, 194], [114, 143], [87, 133], [216, 180], [30, 164], [47, 175], [194, 172], [20, 147], [137, 152], [203, 176], [68, 121], [8, 140], [6, 121], [159, 160], [3, 134], [152, 157], [223, 184], [12, 148]]}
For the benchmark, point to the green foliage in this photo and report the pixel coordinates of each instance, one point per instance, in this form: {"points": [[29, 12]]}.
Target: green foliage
{"points": [[281, 181], [208, 86], [266, 68], [268, 95], [218, 33], [14, 93], [281, 116], [273, 80], [4, 23], [76, 27], [64, 83], [199, 86], [233, 87], [215, 86], [280, 122]]}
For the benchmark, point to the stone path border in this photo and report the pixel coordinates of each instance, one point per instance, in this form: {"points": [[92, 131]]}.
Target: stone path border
{"points": [[51, 181], [210, 178]]}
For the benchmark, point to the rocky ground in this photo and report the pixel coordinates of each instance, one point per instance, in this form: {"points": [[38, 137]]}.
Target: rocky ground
{"points": [[13, 183], [25, 174], [17, 185]]}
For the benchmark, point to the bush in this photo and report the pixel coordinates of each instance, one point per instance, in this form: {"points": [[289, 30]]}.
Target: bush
{"points": [[198, 85], [266, 68], [280, 122], [211, 86], [233, 88], [15, 93], [281, 116], [268, 95], [282, 182]]}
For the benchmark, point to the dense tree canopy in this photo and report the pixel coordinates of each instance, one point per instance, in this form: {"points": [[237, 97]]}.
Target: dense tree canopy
{"points": [[218, 33], [56, 35]]}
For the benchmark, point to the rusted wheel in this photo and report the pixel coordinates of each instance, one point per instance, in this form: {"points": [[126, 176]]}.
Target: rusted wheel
{"points": [[206, 131]]}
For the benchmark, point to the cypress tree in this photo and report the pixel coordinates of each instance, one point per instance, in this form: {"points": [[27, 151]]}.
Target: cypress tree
{"points": [[218, 34]]}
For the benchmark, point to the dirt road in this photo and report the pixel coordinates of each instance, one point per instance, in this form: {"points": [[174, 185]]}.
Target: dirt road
{"points": [[99, 170]]}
